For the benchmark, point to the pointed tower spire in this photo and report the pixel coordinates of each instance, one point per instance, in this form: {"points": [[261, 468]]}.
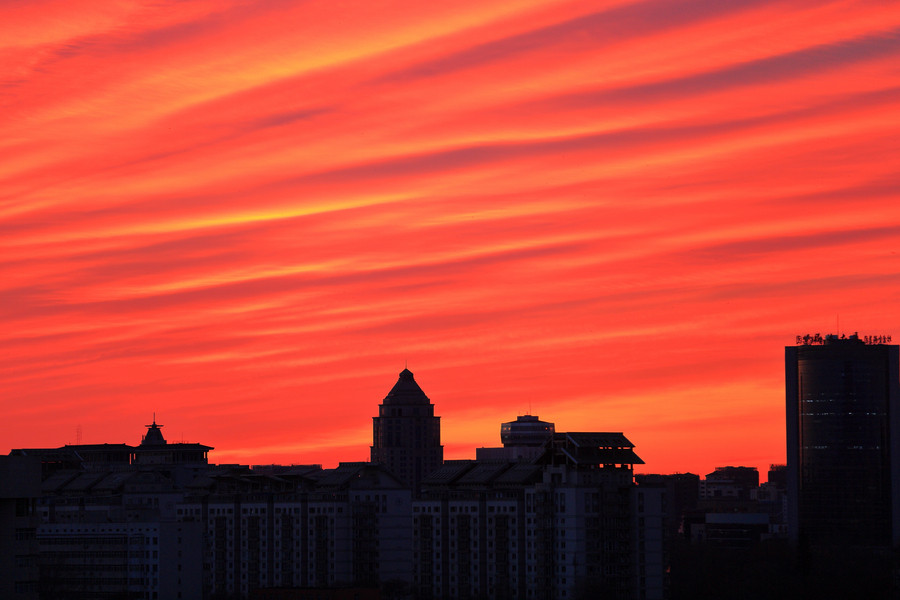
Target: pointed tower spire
{"points": [[154, 435]]}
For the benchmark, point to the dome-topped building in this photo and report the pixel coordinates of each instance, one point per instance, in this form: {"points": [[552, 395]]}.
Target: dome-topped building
{"points": [[523, 439], [526, 430], [406, 435]]}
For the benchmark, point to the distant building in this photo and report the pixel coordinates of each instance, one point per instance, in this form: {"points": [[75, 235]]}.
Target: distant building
{"points": [[155, 521], [843, 441], [406, 435], [736, 483], [155, 450], [522, 439], [682, 493], [732, 530], [778, 476], [305, 528], [20, 487], [526, 430], [105, 524]]}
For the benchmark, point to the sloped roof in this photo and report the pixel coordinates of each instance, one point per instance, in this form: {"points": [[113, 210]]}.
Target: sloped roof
{"points": [[483, 473], [58, 480], [356, 475], [406, 391], [85, 481], [114, 481], [154, 436], [599, 439], [448, 472], [66, 453], [596, 448], [603, 456], [520, 474]]}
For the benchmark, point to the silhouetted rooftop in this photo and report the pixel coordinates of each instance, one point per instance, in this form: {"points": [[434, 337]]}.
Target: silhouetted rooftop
{"points": [[154, 435], [606, 439], [526, 430], [353, 474], [450, 471], [520, 473], [483, 473], [406, 391]]}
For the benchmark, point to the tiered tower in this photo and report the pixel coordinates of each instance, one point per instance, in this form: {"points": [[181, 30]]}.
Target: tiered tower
{"points": [[407, 435]]}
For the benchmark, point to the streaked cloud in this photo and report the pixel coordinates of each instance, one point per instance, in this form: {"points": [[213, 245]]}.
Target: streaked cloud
{"points": [[247, 216]]}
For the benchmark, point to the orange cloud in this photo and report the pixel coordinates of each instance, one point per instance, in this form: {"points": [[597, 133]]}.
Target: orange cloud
{"points": [[247, 216]]}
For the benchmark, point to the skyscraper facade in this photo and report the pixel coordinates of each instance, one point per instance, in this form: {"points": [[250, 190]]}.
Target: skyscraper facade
{"points": [[406, 435], [843, 441]]}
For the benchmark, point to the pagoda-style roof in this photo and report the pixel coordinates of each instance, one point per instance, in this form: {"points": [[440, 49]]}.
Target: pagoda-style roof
{"points": [[154, 436], [600, 448], [406, 391]]}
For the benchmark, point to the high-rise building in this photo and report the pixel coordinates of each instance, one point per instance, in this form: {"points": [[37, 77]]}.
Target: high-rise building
{"points": [[406, 434], [843, 441]]}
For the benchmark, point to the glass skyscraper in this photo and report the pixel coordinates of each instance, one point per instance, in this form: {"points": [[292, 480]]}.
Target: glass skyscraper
{"points": [[843, 425]]}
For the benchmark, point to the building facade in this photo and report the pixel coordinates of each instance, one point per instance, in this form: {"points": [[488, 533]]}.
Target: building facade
{"points": [[20, 488], [843, 441], [568, 525], [307, 528]]}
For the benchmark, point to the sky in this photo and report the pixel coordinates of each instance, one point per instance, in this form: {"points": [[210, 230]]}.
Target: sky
{"points": [[248, 217]]}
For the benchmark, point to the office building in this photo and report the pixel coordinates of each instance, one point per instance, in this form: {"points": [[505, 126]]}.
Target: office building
{"points": [[843, 441], [406, 434]]}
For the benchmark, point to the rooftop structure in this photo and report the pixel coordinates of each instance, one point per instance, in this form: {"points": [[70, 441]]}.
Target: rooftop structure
{"points": [[526, 430], [153, 449]]}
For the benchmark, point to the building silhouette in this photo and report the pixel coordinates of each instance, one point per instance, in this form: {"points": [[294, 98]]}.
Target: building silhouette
{"points": [[843, 441], [570, 524], [158, 521], [406, 435], [526, 430], [106, 519], [523, 439], [20, 488]]}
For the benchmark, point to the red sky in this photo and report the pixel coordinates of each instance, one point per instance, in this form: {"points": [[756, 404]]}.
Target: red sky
{"points": [[246, 217]]}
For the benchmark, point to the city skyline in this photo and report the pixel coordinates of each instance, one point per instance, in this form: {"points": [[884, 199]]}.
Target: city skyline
{"points": [[249, 217]]}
